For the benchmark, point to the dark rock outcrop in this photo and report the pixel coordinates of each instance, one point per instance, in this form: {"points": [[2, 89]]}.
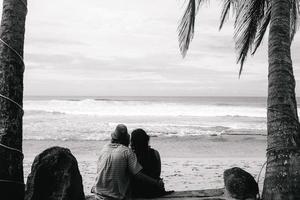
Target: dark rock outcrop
{"points": [[240, 184], [54, 175]]}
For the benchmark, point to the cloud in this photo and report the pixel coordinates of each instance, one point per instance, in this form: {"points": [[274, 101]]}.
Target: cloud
{"points": [[92, 47]]}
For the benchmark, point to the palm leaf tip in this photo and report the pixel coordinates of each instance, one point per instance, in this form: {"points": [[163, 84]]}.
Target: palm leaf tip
{"points": [[186, 27], [248, 20], [227, 5], [262, 29], [241, 66], [224, 15]]}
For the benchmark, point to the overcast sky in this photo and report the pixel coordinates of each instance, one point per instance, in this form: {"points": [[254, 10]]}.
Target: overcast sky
{"points": [[105, 47]]}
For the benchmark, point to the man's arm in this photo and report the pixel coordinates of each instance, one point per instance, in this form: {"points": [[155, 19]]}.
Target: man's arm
{"points": [[147, 179], [136, 170]]}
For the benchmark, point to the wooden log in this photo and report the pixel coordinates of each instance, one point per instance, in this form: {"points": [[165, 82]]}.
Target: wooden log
{"points": [[209, 194]]}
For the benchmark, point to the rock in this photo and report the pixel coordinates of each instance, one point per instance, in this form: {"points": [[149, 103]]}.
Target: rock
{"points": [[54, 176], [240, 184]]}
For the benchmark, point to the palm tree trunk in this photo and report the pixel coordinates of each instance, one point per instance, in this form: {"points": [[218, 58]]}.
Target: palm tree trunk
{"points": [[11, 86], [282, 180]]}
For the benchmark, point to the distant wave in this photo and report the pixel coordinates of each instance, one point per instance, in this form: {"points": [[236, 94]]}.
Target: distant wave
{"points": [[141, 108], [42, 126], [94, 119]]}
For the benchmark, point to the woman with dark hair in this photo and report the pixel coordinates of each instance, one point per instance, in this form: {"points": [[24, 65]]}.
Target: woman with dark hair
{"points": [[149, 159]]}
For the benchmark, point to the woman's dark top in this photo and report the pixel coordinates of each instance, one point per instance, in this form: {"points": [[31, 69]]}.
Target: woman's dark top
{"points": [[150, 161]]}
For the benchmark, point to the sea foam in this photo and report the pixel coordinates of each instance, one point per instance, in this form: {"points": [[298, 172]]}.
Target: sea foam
{"points": [[141, 108], [90, 119]]}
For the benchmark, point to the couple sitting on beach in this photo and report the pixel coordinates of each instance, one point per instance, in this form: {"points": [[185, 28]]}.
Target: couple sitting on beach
{"points": [[123, 172]]}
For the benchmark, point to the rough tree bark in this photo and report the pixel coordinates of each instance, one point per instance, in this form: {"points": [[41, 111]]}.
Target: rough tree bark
{"points": [[282, 180], [11, 86]]}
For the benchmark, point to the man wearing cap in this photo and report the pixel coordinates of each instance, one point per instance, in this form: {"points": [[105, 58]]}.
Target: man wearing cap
{"points": [[116, 165]]}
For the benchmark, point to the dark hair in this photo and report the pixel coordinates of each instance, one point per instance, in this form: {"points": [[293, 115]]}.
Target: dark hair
{"points": [[139, 141]]}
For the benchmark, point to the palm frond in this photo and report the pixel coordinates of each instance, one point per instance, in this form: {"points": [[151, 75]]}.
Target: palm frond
{"points": [[262, 29], [227, 5], [240, 8], [186, 26], [248, 20], [295, 12]]}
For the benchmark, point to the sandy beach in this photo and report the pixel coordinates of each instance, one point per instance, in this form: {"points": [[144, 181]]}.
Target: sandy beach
{"points": [[188, 163]]}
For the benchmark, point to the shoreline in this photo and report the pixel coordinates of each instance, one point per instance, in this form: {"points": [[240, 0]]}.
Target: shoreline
{"points": [[204, 146]]}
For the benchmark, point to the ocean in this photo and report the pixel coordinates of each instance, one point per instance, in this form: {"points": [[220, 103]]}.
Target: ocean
{"points": [[197, 137], [94, 118]]}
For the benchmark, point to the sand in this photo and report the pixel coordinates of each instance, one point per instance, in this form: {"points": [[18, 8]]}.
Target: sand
{"points": [[188, 163]]}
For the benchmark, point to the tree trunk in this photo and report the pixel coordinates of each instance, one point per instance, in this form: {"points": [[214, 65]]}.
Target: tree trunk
{"points": [[11, 86], [282, 180]]}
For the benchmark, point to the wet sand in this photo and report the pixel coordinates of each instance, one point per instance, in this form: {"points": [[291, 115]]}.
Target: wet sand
{"points": [[188, 163]]}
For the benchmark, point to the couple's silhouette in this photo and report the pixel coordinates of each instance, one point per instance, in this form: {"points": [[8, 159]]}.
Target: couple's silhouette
{"points": [[123, 172]]}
